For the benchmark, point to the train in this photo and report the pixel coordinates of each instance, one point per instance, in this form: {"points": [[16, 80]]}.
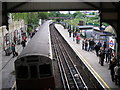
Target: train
{"points": [[33, 67]]}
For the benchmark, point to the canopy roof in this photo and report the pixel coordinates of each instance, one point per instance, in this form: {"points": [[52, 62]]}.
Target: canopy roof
{"points": [[55, 5], [108, 8], [109, 29]]}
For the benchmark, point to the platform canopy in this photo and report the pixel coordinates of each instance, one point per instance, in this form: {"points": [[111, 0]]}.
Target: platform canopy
{"points": [[109, 29], [56, 5], [85, 27], [108, 8]]}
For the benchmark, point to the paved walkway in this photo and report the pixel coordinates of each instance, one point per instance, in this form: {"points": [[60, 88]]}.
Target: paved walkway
{"points": [[7, 77], [90, 59]]}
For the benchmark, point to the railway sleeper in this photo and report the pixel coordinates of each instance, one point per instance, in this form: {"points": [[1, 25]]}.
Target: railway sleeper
{"points": [[79, 83], [70, 79], [72, 86]]}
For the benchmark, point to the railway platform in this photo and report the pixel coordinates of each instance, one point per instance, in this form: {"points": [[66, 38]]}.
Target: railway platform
{"points": [[7, 75], [90, 59]]}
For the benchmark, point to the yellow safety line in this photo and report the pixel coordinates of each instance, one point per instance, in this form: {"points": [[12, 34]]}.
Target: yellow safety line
{"points": [[94, 71], [13, 85]]}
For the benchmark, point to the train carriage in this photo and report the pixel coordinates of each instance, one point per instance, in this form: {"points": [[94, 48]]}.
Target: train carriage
{"points": [[33, 66]]}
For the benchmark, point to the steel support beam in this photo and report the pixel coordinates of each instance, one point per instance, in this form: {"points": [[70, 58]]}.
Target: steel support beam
{"points": [[5, 15], [17, 6], [118, 34], [91, 5]]}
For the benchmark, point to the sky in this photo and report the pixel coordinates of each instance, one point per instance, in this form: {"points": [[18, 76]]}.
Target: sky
{"points": [[65, 12]]}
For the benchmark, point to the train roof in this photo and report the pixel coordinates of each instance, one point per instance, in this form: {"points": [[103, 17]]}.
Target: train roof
{"points": [[39, 44]]}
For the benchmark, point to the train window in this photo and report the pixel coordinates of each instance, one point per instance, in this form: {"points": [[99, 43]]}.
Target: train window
{"points": [[31, 59], [22, 72], [33, 71], [22, 59], [45, 70]]}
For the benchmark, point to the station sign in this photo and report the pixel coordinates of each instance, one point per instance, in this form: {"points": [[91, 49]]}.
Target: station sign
{"points": [[111, 42]]}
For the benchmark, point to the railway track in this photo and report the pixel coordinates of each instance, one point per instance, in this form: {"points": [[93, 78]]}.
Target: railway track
{"points": [[71, 78]]}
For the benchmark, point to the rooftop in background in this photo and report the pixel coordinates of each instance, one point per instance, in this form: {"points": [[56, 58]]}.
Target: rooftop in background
{"points": [[85, 27], [110, 29]]}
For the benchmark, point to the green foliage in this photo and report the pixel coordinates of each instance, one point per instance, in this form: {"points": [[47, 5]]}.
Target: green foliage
{"points": [[32, 18], [43, 15], [78, 14], [30, 29]]}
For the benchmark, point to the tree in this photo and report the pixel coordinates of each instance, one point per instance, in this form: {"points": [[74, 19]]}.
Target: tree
{"points": [[43, 15]]}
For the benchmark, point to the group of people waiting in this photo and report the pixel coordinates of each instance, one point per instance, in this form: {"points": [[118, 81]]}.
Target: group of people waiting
{"points": [[114, 68], [88, 44], [23, 42], [13, 45], [104, 53], [76, 35]]}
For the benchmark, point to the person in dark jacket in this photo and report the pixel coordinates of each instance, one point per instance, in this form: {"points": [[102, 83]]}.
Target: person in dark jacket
{"points": [[102, 56], [23, 43], [70, 32], [86, 45], [83, 43], [96, 49], [99, 45], [104, 45], [90, 45], [108, 55], [74, 35], [112, 65]]}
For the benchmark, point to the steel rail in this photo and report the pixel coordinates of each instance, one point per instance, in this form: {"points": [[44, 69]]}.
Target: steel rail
{"points": [[85, 86], [80, 77], [61, 67], [56, 40], [63, 53]]}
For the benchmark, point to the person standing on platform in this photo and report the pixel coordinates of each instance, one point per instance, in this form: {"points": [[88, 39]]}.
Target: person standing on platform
{"points": [[99, 44], [107, 53], [96, 49], [69, 32], [14, 39], [23, 43], [102, 56], [33, 33], [24, 38], [86, 45], [117, 74], [13, 49], [74, 35], [83, 44], [78, 39], [112, 65], [92, 44], [104, 45]]}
